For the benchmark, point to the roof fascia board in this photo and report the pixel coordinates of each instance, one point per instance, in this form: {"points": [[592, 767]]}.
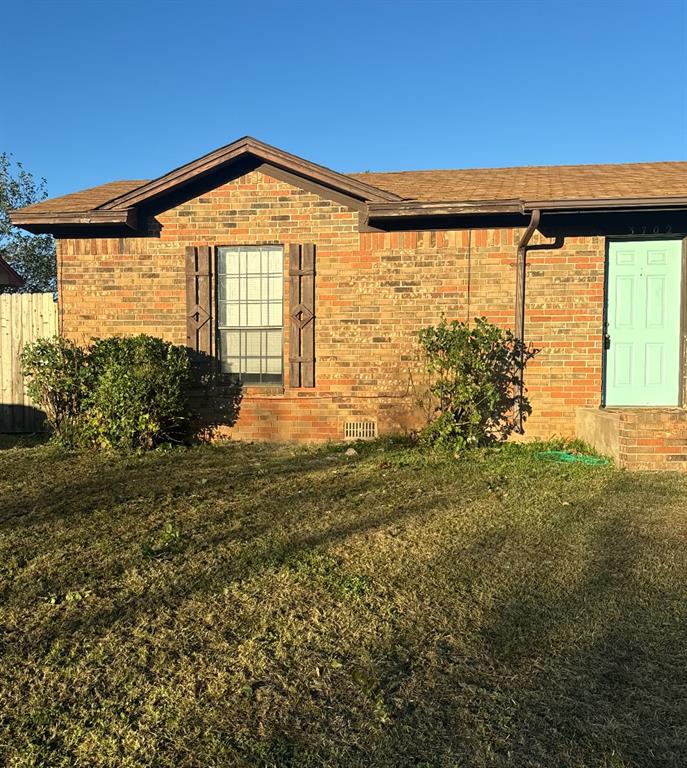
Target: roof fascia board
{"points": [[413, 208], [248, 146], [96, 217], [311, 186], [582, 204], [448, 208]]}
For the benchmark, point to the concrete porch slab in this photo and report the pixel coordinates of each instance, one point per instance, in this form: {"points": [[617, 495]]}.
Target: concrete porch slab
{"points": [[637, 438]]}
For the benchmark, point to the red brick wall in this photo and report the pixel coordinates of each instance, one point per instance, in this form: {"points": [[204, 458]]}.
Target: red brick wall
{"points": [[653, 439], [373, 292]]}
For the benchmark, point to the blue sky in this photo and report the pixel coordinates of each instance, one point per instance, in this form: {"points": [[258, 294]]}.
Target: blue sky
{"points": [[96, 91]]}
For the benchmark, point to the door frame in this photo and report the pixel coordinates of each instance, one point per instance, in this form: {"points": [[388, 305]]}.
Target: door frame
{"points": [[681, 395]]}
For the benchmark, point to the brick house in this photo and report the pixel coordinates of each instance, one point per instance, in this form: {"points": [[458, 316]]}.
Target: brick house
{"points": [[310, 285]]}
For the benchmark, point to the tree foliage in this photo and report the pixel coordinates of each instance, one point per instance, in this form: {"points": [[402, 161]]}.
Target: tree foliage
{"points": [[474, 374], [32, 256]]}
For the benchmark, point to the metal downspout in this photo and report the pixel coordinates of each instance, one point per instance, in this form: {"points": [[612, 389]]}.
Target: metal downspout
{"points": [[520, 280]]}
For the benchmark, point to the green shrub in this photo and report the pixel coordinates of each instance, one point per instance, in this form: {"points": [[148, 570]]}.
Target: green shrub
{"points": [[58, 379], [474, 373], [122, 393], [139, 395]]}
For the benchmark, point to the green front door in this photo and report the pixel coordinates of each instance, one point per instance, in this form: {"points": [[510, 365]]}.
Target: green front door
{"points": [[643, 323]]}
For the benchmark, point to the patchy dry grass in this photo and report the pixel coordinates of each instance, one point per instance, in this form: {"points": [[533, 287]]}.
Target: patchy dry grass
{"points": [[258, 606]]}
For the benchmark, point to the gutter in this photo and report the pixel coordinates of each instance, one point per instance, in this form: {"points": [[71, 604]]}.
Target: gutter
{"points": [[411, 208], [580, 205], [520, 284], [395, 211], [29, 219]]}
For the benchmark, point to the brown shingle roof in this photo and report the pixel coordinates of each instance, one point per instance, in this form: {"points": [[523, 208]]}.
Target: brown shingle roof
{"points": [[85, 200], [558, 182], [563, 182]]}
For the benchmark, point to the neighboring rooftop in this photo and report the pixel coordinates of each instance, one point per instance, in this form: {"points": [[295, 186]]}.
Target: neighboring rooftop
{"points": [[8, 277]]}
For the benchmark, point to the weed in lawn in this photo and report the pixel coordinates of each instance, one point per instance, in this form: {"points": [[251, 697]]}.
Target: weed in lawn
{"points": [[326, 571], [167, 543], [72, 596]]}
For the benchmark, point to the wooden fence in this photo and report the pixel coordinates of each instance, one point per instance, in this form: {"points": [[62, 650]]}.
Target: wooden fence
{"points": [[24, 317]]}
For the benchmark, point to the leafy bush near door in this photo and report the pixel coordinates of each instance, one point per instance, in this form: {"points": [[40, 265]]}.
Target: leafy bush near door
{"points": [[474, 373], [125, 393]]}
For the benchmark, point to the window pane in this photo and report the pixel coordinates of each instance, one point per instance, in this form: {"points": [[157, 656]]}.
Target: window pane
{"points": [[228, 289], [252, 365], [253, 288], [274, 315], [273, 365], [228, 314], [231, 365], [228, 261], [253, 315], [253, 343], [276, 261], [253, 261], [229, 343], [276, 287], [273, 343]]}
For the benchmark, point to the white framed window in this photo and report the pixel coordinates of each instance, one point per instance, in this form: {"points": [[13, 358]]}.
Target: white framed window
{"points": [[250, 313]]}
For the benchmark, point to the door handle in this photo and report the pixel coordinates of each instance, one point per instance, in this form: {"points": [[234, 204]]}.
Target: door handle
{"points": [[607, 341]]}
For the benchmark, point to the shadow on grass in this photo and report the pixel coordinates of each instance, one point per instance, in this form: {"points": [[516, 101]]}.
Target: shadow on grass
{"points": [[227, 538], [588, 663], [526, 639], [8, 441]]}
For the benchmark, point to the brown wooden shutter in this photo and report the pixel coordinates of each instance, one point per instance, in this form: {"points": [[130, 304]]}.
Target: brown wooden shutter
{"points": [[199, 302], [302, 315]]}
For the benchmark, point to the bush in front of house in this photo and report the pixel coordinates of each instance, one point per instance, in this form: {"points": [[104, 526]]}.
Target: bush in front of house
{"points": [[126, 394], [58, 381], [138, 396], [474, 373]]}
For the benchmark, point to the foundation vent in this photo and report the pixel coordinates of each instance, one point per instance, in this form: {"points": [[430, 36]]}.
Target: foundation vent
{"points": [[360, 430]]}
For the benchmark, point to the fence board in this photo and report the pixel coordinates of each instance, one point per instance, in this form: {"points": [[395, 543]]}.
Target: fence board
{"points": [[24, 317]]}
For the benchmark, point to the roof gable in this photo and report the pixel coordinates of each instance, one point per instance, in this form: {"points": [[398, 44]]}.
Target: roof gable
{"points": [[248, 148]]}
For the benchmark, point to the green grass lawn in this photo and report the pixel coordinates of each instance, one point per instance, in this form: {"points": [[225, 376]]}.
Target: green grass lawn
{"points": [[247, 605]]}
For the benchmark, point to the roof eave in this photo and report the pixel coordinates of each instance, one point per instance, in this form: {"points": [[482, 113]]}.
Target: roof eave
{"points": [[414, 208], [44, 220], [674, 202]]}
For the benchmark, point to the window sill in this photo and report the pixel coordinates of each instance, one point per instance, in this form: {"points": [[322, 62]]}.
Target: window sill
{"points": [[265, 390]]}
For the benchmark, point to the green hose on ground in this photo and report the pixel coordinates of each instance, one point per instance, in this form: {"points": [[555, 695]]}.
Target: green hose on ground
{"points": [[570, 457]]}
